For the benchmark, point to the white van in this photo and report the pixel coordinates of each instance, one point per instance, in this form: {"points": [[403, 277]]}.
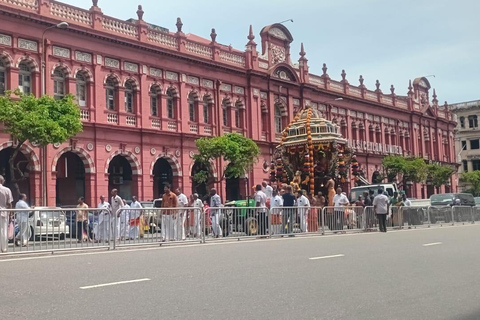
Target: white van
{"points": [[388, 188]]}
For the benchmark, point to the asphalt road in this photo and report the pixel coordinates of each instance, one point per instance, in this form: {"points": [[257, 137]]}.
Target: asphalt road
{"points": [[417, 274]]}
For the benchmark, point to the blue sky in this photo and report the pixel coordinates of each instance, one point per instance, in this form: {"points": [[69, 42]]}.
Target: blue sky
{"points": [[392, 41]]}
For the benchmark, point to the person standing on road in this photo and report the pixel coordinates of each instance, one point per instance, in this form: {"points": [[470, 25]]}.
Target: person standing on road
{"points": [[124, 229], [6, 200], [381, 205], [288, 210], [198, 205], [179, 226], [261, 204], [340, 200], [82, 220], [22, 220], [330, 185], [303, 205], [117, 206], [103, 227], [268, 190], [276, 213], [135, 216], [215, 204], [169, 201]]}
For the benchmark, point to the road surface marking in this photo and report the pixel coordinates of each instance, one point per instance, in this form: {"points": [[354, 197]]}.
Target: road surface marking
{"points": [[432, 244], [327, 257], [113, 283]]}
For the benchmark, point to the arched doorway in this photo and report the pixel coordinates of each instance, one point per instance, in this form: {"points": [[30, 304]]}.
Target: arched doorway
{"points": [[70, 179], [120, 176], [22, 172], [203, 188], [162, 175]]}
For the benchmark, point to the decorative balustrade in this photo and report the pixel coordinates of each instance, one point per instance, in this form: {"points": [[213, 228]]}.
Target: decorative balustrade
{"points": [[194, 128], [131, 121], [316, 80], [199, 49], [401, 104], [172, 126], [234, 58], [162, 38], [112, 118], [66, 12], [387, 100], [84, 115], [264, 136], [156, 124], [119, 26], [227, 130], [371, 95], [27, 4], [278, 137], [354, 91], [207, 130], [337, 86]]}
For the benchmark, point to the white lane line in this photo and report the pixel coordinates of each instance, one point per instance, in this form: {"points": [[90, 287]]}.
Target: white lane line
{"points": [[113, 283], [327, 257], [432, 244]]}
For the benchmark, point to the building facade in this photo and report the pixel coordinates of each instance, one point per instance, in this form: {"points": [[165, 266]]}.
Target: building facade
{"points": [[147, 93], [467, 137]]}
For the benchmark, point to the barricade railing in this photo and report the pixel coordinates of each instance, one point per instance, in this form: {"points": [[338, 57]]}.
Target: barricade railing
{"points": [[345, 219], [53, 229], [463, 214], [415, 216], [140, 226], [440, 215], [238, 222]]}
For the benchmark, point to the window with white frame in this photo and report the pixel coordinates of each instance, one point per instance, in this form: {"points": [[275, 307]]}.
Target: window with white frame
{"points": [[170, 104], [154, 100], [206, 111], [129, 97], [111, 93], [24, 78], [3, 77], [58, 84], [81, 89]]}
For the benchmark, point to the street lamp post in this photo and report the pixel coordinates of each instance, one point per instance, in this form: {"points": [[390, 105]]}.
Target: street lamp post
{"points": [[61, 25]]}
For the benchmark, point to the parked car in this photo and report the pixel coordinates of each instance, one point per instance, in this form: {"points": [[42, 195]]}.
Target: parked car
{"points": [[48, 221], [389, 188], [442, 206]]}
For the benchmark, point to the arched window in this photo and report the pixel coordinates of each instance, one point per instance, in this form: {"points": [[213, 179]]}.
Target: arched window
{"points": [[472, 122], [24, 78], [238, 115], [170, 104], [462, 122], [192, 114], [129, 96], [58, 84], [226, 118], [3, 77], [154, 100], [206, 111], [278, 119], [111, 89], [81, 87]]}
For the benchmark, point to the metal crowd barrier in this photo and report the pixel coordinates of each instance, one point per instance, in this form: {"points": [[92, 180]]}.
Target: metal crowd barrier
{"points": [[54, 229]]}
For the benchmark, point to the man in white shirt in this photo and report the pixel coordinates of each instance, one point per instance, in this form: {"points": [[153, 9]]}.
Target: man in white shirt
{"points": [[215, 204], [381, 204], [117, 206], [197, 216], [303, 205], [102, 230], [276, 213], [22, 220], [179, 226], [124, 229], [261, 204], [339, 201], [268, 190], [135, 215], [6, 200]]}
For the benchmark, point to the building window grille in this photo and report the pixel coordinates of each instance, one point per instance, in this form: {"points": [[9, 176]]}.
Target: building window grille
{"points": [[24, 78], [58, 84], [81, 87]]}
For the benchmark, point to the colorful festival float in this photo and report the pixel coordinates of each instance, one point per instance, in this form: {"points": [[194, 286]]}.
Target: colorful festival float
{"points": [[311, 150]]}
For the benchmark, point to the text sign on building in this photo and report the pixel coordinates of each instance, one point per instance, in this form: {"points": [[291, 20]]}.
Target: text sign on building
{"points": [[367, 146]]}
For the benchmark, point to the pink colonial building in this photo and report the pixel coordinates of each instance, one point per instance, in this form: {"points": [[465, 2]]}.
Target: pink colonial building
{"points": [[147, 93]]}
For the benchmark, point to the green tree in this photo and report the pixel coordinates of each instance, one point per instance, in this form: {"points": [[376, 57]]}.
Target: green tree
{"points": [[43, 120], [415, 170], [394, 165], [472, 178], [240, 152], [439, 175]]}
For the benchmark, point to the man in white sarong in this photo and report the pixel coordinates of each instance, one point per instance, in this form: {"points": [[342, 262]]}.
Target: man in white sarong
{"points": [[117, 205], [215, 212], [6, 200], [124, 227], [197, 216], [179, 226], [135, 215], [22, 219], [303, 205], [169, 200], [103, 229]]}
